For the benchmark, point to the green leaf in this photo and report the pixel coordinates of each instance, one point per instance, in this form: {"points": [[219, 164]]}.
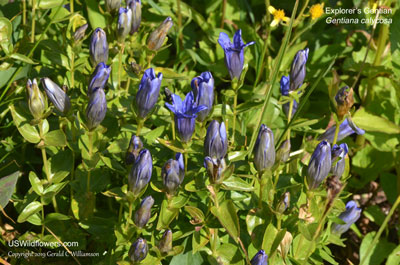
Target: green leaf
{"points": [[56, 217], [378, 253], [60, 165], [55, 138], [7, 186], [236, 183], [47, 4], [36, 183], [199, 240], [227, 216], [195, 213], [394, 257], [269, 237], [28, 131], [167, 215], [22, 58], [96, 19], [29, 210], [5, 34], [370, 122], [52, 191]]}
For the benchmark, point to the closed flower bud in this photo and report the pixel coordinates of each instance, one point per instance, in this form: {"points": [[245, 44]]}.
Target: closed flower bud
{"points": [[56, 95], [284, 246], [285, 89], [344, 100], [165, 244], [147, 95], [112, 6], [96, 109], [284, 202], [157, 37], [99, 77], [347, 127], [349, 216], [338, 162], [142, 216], [283, 153], [80, 33], [185, 115], [234, 52], [124, 23], [136, 68], [298, 69], [141, 171], [136, 7], [203, 90], [173, 173], [216, 142], [215, 169], [37, 102], [98, 47], [135, 145], [260, 258], [319, 165], [264, 149], [138, 250]]}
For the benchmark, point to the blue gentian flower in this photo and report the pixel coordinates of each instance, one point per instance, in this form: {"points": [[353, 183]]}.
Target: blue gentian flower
{"points": [[141, 171], [157, 37], [124, 23], [298, 69], [185, 115], [349, 216], [173, 173], [346, 128], [319, 165], [138, 250], [98, 47], [56, 95], [203, 90], [96, 109], [260, 258], [285, 85], [216, 141], [112, 6], [142, 216], [99, 77], [147, 95], [338, 162], [165, 244], [215, 169], [264, 149], [80, 33], [234, 52], [136, 7]]}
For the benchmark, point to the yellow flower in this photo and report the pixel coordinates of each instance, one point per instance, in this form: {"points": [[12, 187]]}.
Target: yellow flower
{"points": [[317, 10], [279, 15]]}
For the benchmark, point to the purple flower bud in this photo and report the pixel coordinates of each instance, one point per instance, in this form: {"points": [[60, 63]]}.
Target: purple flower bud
{"points": [[157, 37], [264, 149], [97, 108], [80, 33], [349, 216], [37, 101], [298, 69], [99, 77], [147, 95], [141, 171], [215, 168], [338, 162], [346, 128], [185, 115], [142, 216], [260, 258], [173, 173], [203, 90], [138, 250], [136, 7], [283, 153], [98, 47], [135, 145], [56, 95], [319, 165], [165, 244], [234, 52], [124, 23], [216, 142]]}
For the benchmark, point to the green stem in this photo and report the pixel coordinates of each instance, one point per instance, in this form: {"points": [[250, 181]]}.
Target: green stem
{"points": [[90, 135], [24, 12], [121, 206], [382, 227], [301, 32], [33, 21], [72, 68], [121, 52], [297, 21], [290, 117], [336, 132], [260, 195], [223, 14], [234, 86], [180, 36], [129, 215], [71, 6], [173, 126], [140, 123], [42, 222]]}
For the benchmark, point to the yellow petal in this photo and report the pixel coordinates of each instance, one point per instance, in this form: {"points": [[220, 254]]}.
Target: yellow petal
{"points": [[271, 9], [274, 23]]}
